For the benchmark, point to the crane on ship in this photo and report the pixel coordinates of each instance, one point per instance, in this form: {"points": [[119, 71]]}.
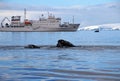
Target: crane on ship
{"points": [[3, 22]]}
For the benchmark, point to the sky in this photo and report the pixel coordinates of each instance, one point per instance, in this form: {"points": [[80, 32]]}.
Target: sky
{"points": [[86, 12], [58, 3]]}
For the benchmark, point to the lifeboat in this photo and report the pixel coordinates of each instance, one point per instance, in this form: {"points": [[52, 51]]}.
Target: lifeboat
{"points": [[27, 22]]}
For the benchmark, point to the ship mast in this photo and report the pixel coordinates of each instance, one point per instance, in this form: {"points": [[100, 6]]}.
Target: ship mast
{"points": [[24, 14]]}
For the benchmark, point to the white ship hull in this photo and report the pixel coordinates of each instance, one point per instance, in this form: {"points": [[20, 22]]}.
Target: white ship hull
{"points": [[40, 29]]}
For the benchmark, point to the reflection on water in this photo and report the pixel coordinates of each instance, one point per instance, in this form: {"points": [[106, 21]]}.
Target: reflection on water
{"points": [[96, 57]]}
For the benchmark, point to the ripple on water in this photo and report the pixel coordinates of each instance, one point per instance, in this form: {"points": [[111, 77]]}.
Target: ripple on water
{"points": [[82, 63], [62, 74]]}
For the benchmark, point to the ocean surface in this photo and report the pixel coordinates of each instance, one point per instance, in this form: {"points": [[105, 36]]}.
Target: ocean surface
{"points": [[96, 57]]}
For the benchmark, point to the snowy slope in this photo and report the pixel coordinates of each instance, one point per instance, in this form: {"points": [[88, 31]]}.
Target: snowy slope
{"points": [[115, 26]]}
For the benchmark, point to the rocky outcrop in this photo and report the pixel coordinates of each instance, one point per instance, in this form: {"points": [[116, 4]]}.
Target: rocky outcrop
{"points": [[32, 46], [63, 43]]}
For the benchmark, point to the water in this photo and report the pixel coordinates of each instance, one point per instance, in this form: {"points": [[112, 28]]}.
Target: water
{"points": [[51, 38], [96, 57]]}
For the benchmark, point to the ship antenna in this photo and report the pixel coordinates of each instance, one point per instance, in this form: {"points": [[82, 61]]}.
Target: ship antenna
{"points": [[48, 14], [24, 14], [73, 19]]}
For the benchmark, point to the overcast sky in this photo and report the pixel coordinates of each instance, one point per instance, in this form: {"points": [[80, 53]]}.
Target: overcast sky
{"points": [[57, 3], [86, 12]]}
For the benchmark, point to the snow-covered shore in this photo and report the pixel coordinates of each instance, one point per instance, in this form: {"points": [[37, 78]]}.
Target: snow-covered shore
{"points": [[115, 26]]}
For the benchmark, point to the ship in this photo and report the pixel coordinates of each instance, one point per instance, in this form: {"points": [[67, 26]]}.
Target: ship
{"points": [[49, 24]]}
